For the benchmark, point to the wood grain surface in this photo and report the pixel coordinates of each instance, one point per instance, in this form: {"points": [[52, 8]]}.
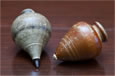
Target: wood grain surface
{"points": [[62, 15]]}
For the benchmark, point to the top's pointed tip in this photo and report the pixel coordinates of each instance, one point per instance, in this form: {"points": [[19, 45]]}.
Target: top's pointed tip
{"points": [[54, 56], [36, 63]]}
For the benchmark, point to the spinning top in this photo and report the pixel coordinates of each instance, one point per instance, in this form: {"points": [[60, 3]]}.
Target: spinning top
{"points": [[31, 31], [82, 42]]}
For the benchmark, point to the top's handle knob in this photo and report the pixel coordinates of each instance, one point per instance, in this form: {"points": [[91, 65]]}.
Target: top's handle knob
{"points": [[100, 31], [28, 10]]}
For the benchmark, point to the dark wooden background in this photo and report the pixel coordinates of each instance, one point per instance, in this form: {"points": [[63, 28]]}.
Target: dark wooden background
{"points": [[62, 15]]}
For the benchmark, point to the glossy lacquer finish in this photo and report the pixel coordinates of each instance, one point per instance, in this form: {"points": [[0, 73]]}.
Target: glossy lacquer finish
{"points": [[82, 42], [62, 15]]}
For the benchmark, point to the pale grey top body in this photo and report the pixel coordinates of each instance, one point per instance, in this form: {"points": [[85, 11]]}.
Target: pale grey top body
{"points": [[31, 31]]}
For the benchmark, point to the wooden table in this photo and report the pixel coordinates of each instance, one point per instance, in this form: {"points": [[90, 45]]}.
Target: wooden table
{"points": [[62, 15]]}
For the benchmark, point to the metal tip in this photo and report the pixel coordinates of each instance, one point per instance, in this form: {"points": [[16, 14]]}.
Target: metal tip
{"points": [[55, 57], [36, 62]]}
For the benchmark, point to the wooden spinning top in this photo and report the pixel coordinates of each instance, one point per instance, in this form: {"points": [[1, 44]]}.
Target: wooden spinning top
{"points": [[82, 42], [31, 31]]}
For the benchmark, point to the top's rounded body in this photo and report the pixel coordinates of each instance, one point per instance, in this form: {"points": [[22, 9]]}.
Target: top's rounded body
{"points": [[31, 31], [81, 42]]}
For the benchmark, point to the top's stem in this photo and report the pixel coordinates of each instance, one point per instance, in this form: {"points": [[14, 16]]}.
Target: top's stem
{"points": [[100, 31], [28, 10]]}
